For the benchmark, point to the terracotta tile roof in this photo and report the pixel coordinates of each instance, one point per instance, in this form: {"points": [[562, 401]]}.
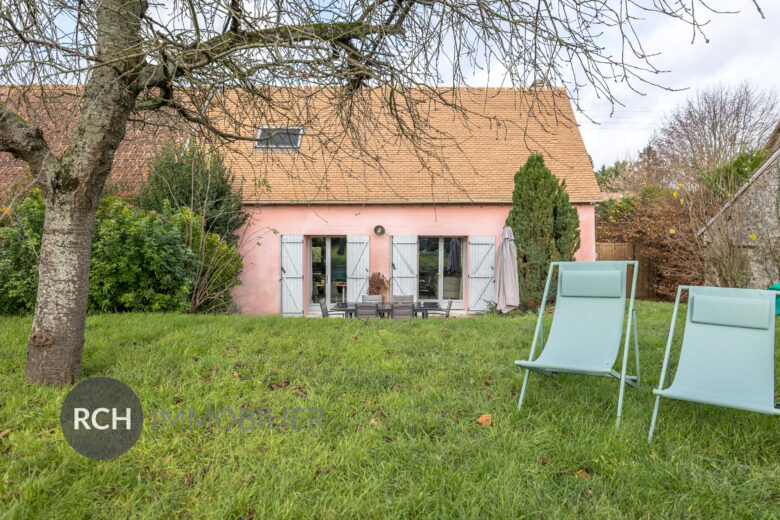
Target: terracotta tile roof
{"points": [[56, 115], [474, 156]]}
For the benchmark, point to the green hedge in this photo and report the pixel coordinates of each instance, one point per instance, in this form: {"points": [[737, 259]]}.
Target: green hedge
{"points": [[20, 243], [141, 261]]}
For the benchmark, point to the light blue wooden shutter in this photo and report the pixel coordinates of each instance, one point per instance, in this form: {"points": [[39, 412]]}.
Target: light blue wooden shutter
{"points": [[292, 275], [403, 258], [482, 260], [357, 267]]}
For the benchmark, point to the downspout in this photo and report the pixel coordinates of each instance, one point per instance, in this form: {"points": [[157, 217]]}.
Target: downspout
{"points": [[196, 125]]}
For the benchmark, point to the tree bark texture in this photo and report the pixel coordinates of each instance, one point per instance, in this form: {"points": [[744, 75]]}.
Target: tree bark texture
{"points": [[72, 186]]}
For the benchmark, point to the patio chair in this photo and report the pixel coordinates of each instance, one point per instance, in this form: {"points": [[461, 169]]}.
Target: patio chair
{"points": [[727, 356], [372, 298], [326, 313], [402, 311], [444, 313], [365, 310], [403, 298], [587, 325]]}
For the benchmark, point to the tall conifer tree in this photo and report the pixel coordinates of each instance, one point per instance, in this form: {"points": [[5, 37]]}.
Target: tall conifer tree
{"points": [[545, 224]]}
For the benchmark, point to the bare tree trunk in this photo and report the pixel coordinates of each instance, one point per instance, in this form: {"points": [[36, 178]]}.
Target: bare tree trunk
{"points": [[57, 337], [72, 187]]}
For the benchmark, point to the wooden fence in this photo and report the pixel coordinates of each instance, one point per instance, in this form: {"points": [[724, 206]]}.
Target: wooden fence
{"points": [[628, 251]]}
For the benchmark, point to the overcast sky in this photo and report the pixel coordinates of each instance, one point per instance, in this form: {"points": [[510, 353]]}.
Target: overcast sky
{"points": [[742, 46]]}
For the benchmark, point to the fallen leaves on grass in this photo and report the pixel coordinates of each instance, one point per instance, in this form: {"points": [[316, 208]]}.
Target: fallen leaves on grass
{"points": [[114, 491], [581, 473], [298, 391], [4, 433], [212, 373], [485, 420], [281, 384], [545, 461], [232, 347], [323, 471]]}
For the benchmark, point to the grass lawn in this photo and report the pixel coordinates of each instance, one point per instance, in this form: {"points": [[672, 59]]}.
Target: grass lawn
{"points": [[399, 436]]}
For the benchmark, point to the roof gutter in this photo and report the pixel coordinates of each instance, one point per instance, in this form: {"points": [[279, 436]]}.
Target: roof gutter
{"points": [[196, 125]]}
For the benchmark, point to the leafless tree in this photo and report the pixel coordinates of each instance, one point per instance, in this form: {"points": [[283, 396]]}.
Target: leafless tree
{"points": [[723, 248], [371, 63], [709, 130], [739, 241]]}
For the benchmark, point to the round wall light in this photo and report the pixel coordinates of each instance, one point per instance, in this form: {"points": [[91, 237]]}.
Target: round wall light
{"points": [[379, 230]]}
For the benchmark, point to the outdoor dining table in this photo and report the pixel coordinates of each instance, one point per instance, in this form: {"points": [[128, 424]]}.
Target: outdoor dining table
{"points": [[421, 308], [348, 308], [424, 307], [385, 309]]}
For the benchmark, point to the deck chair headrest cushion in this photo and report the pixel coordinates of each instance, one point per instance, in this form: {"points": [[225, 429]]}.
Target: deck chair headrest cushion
{"points": [[592, 284], [749, 313]]}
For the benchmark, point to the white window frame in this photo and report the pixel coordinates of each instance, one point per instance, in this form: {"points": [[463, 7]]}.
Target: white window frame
{"points": [[456, 303], [313, 308], [258, 145]]}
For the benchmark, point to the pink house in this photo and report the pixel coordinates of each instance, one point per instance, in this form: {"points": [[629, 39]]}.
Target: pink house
{"points": [[322, 221]]}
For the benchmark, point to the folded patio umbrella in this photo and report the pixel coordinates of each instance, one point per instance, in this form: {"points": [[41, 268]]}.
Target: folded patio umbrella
{"points": [[453, 262], [507, 290]]}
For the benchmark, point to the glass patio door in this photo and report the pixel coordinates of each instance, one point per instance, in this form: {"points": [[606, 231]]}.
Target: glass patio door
{"points": [[440, 268], [327, 270]]}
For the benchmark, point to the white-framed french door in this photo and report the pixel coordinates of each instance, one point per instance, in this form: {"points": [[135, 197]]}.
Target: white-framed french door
{"points": [[327, 276], [440, 269], [338, 269]]}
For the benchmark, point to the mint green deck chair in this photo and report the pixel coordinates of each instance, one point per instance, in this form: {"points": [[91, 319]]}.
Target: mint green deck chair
{"points": [[587, 324], [727, 356]]}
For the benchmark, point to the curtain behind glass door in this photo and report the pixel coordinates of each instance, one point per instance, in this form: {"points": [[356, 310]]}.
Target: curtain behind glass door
{"points": [[338, 269], [428, 261], [318, 269], [452, 279]]}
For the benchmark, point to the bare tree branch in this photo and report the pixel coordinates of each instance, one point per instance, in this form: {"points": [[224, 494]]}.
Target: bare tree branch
{"points": [[24, 140]]}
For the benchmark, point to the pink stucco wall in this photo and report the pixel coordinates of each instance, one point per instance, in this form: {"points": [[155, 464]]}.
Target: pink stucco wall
{"points": [[260, 292]]}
